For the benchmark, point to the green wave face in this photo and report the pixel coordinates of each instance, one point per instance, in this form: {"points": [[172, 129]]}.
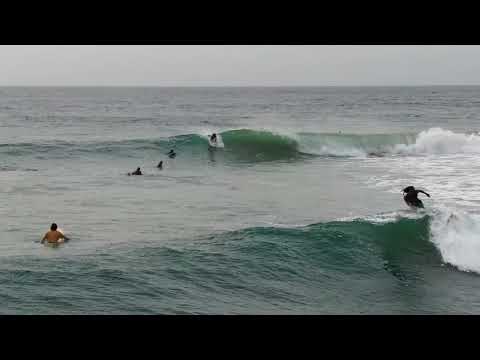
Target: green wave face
{"points": [[351, 247], [243, 145], [251, 145]]}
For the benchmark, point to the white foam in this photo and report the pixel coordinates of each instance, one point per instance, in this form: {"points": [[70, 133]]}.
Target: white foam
{"points": [[384, 218], [434, 141], [456, 235], [339, 150], [440, 141], [395, 216]]}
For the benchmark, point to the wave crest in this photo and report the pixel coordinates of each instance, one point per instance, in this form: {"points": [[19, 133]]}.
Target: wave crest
{"points": [[264, 145], [455, 234], [440, 141], [432, 141], [396, 240]]}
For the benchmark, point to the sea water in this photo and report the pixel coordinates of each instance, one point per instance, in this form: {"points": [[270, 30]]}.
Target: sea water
{"points": [[299, 211]]}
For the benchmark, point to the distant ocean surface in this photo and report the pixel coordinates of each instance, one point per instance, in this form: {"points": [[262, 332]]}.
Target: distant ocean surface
{"points": [[298, 211]]}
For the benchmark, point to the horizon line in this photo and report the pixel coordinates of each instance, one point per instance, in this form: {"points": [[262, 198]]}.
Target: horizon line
{"points": [[231, 86]]}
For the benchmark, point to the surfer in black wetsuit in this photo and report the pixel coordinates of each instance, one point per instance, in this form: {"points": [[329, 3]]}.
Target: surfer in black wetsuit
{"points": [[160, 165], [171, 154], [213, 138], [136, 172], [411, 197]]}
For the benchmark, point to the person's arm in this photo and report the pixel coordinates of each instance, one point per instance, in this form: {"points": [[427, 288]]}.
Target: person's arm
{"points": [[424, 192], [63, 236]]}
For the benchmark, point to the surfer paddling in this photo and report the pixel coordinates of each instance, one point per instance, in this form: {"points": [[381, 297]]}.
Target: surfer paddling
{"points": [[136, 172], [54, 236], [411, 197]]}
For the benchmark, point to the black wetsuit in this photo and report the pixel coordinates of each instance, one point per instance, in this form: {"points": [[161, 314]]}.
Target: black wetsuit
{"points": [[411, 198]]}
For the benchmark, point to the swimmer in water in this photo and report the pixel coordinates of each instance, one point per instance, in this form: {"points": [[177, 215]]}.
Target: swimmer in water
{"points": [[136, 172], [213, 138], [160, 165], [171, 154], [54, 236], [411, 197]]}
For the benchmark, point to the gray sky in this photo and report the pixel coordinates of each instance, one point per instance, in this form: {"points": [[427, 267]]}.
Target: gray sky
{"points": [[217, 65]]}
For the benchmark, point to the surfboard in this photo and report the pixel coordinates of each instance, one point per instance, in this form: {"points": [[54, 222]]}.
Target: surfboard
{"points": [[215, 144], [63, 233], [59, 242]]}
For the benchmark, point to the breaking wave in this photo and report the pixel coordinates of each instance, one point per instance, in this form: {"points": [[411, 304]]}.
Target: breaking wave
{"points": [[264, 145]]}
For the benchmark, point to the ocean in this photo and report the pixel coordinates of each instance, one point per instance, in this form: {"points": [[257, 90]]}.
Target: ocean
{"points": [[299, 210]]}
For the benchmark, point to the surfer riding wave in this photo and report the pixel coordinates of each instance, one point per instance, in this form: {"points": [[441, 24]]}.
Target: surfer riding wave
{"points": [[411, 197]]}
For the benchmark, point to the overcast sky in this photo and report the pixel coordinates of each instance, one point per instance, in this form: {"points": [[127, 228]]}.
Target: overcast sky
{"points": [[217, 65]]}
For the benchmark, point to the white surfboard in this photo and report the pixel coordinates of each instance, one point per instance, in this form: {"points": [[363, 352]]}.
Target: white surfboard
{"points": [[216, 144], [63, 233]]}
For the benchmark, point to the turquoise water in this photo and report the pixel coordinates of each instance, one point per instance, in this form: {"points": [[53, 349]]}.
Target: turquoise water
{"points": [[298, 211]]}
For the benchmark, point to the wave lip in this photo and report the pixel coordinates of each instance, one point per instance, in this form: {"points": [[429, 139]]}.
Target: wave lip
{"points": [[455, 234], [434, 141]]}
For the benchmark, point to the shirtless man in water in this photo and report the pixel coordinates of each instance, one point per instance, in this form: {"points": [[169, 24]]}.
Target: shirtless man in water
{"points": [[54, 236]]}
